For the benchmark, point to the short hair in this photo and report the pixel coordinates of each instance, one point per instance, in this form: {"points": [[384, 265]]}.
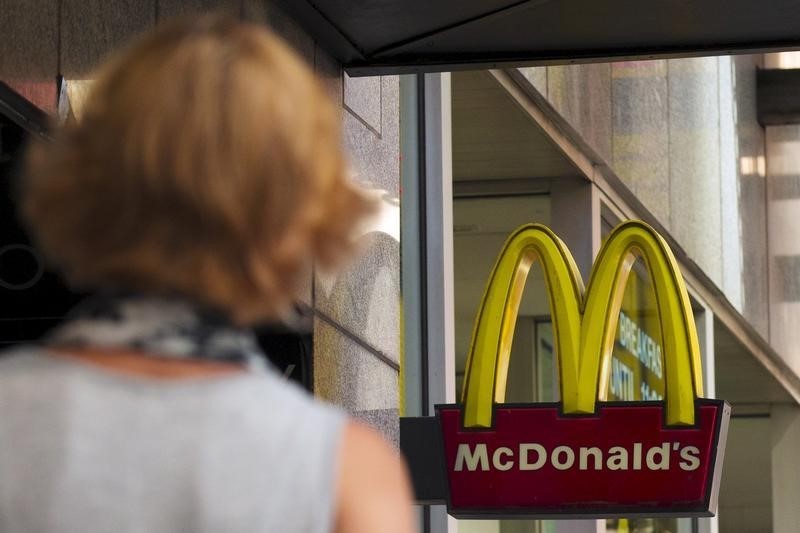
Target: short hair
{"points": [[208, 162]]}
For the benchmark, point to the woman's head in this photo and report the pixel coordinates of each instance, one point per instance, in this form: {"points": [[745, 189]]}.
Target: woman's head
{"points": [[207, 162]]}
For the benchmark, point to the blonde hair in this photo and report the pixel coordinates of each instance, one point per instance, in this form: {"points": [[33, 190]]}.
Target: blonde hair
{"points": [[208, 163]]}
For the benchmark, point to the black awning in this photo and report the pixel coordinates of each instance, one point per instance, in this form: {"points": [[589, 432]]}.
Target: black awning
{"points": [[381, 36]]}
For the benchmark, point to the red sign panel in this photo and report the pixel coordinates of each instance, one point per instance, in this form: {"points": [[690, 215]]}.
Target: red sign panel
{"points": [[622, 461]]}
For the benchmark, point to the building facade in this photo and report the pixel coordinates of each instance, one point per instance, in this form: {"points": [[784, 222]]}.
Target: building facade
{"points": [[460, 160]]}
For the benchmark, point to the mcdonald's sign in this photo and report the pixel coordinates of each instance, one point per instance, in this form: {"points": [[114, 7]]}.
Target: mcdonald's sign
{"points": [[583, 456]]}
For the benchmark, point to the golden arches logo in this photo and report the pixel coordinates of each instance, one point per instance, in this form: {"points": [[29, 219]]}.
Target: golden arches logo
{"points": [[584, 321]]}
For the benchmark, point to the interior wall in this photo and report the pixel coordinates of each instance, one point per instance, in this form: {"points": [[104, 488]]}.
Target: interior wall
{"points": [[785, 469], [746, 491], [481, 226]]}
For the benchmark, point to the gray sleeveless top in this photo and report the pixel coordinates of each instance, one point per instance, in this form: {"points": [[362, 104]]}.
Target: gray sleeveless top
{"points": [[83, 449]]}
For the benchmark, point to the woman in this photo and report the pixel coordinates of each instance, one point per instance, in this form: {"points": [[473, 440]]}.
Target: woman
{"points": [[204, 175]]}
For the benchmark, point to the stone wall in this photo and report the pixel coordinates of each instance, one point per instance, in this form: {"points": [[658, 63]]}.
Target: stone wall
{"points": [[357, 329]]}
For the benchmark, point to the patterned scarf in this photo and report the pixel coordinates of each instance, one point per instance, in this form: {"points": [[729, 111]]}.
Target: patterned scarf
{"points": [[161, 326]]}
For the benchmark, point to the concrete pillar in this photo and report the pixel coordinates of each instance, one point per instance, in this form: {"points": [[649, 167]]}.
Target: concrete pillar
{"points": [[783, 196], [575, 217]]}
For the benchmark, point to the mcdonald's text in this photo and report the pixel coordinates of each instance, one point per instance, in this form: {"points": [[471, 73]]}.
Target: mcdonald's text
{"points": [[528, 456]]}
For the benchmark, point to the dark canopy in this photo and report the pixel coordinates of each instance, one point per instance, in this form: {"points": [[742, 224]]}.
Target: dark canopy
{"points": [[373, 36]]}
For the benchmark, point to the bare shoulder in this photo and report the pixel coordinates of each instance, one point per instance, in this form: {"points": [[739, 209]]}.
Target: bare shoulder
{"points": [[373, 489], [363, 445]]}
